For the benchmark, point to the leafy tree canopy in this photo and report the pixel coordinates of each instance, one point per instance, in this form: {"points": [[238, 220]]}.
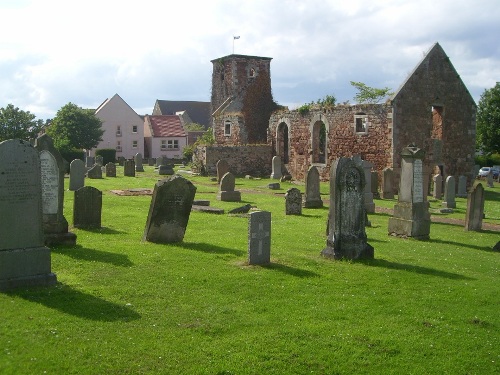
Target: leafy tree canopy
{"points": [[370, 95], [193, 127], [15, 123], [75, 128], [488, 120]]}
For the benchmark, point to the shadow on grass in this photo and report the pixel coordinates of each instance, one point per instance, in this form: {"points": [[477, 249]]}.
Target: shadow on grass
{"points": [[92, 255], [209, 248], [290, 270], [462, 245], [413, 268], [102, 230], [70, 301]]}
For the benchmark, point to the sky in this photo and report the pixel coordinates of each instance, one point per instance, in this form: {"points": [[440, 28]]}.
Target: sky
{"points": [[53, 52]]}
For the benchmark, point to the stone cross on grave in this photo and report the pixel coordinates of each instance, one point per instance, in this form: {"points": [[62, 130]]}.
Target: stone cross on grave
{"points": [[259, 237]]}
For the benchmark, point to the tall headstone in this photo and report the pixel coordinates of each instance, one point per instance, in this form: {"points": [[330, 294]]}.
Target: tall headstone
{"points": [[293, 202], [226, 189], [489, 179], [387, 186], [475, 208], [129, 168], [437, 192], [259, 237], [374, 185], [76, 174], [110, 170], [276, 168], [312, 195], [222, 168], [87, 207], [346, 235], [462, 186], [55, 225], [138, 162], [121, 161], [95, 171], [411, 213], [369, 204], [449, 193], [24, 259], [169, 210]]}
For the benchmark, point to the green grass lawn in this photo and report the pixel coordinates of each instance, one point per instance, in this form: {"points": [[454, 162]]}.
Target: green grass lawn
{"points": [[122, 306]]}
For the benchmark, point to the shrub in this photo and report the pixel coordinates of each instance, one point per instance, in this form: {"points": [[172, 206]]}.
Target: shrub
{"points": [[108, 155]]}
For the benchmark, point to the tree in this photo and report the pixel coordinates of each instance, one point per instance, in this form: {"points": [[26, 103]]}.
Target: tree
{"points": [[488, 120], [75, 128], [194, 127], [15, 123], [370, 95]]}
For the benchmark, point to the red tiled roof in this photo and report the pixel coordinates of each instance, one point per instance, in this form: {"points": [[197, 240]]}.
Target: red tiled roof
{"points": [[166, 126]]}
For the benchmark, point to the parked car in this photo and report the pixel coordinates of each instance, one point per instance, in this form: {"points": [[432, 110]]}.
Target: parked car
{"points": [[484, 172]]}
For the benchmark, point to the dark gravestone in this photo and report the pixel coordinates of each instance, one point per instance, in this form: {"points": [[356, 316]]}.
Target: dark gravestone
{"points": [[161, 160], [89, 161], [346, 236], [293, 202], [55, 225], [138, 162], [76, 174], [374, 180], [259, 237], [166, 169], [312, 196], [87, 208], [110, 170], [462, 187], [387, 187], [121, 161], [369, 204], [222, 167], [95, 171], [151, 162], [241, 210], [169, 210], [129, 168], [274, 186], [24, 260], [226, 190], [475, 208]]}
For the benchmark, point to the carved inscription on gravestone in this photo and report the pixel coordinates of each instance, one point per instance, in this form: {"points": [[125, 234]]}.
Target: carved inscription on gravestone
{"points": [[50, 182], [418, 185]]}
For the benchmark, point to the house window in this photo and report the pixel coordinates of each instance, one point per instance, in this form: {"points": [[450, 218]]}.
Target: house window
{"points": [[134, 144], [227, 128], [118, 146], [361, 122], [173, 144], [134, 128], [163, 144], [118, 131]]}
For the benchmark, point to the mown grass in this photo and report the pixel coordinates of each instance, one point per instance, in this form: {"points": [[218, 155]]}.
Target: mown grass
{"points": [[122, 306]]}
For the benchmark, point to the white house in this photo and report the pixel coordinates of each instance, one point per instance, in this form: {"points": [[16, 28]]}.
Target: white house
{"points": [[164, 136], [123, 128]]}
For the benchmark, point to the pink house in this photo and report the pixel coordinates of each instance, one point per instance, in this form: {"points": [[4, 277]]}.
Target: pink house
{"points": [[164, 136]]}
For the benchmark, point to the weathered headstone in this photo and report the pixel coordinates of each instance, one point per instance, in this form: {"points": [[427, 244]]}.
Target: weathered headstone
{"points": [[462, 186], [387, 186], [259, 237], [437, 192], [87, 208], [151, 162], [276, 168], [411, 213], [449, 193], [110, 170], [55, 225], [374, 185], [169, 210], [226, 189], [312, 195], [222, 168], [95, 171], [99, 160], [76, 174], [475, 208], [346, 236], [165, 169], [24, 260], [489, 179], [293, 202], [89, 161], [129, 168], [369, 204], [121, 161], [138, 162], [161, 160]]}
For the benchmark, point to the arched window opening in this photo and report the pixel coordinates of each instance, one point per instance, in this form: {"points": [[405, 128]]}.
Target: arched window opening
{"points": [[319, 142], [282, 148]]}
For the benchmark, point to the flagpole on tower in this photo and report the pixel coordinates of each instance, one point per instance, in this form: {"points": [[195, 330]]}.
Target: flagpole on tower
{"points": [[234, 38]]}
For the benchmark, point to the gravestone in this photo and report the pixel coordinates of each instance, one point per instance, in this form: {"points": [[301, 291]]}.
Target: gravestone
{"points": [[169, 210], [24, 260], [312, 196], [475, 208], [346, 235], [222, 168], [437, 192], [374, 180], [274, 186], [55, 225], [121, 161], [489, 179], [259, 237], [166, 169], [99, 160], [462, 187], [449, 193], [151, 162], [76, 174], [369, 204], [87, 208], [293, 202], [161, 160], [110, 170], [411, 213], [129, 168], [89, 161], [138, 162], [95, 171], [226, 189], [276, 168], [387, 186]]}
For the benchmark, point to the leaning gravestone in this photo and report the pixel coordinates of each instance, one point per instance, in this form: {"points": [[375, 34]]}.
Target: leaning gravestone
{"points": [[475, 208], [387, 187], [312, 195], [110, 170], [449, 193], [138, 162], [169, 210], [293, 202], [55, 225], [129, 168], [24, 260], [276, 168], [226, 189], [346, 235], [87, 208], [259, 237], [76, 174], [95, 171], [462, 186], [411, 213], [437, 192], [222, 167]]}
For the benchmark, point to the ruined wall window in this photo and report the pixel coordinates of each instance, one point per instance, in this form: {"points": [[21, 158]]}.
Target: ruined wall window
{"points": [[319, 142], [252, 73], [437, 122], [227, 128], [282, 148], [361, 122]]}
